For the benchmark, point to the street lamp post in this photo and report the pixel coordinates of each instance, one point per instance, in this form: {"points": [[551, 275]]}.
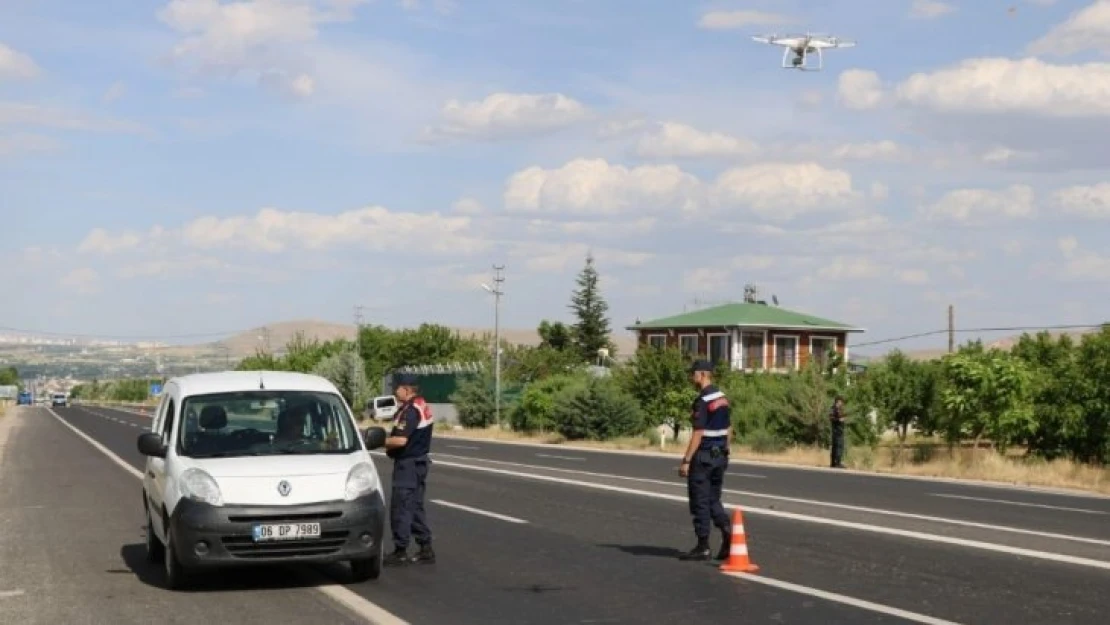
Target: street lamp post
{"points": [[496, 291]]}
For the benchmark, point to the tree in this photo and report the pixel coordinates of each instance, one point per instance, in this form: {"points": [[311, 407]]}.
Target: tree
{"points": [[555, 335], [598, 410], [521, 363], [474, 400], [347, 372], [591, 331], [986, 396], [902, 391], [657, 380], [9, 376]]}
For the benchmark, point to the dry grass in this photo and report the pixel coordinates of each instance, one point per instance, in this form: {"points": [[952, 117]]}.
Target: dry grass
{"points": [[926, 459]]}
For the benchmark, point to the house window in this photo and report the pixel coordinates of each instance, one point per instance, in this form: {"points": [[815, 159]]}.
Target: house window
{"points": [[786, 352], [658, 341], [688, 343], [820, 348], [752, 350], [719, 348]]}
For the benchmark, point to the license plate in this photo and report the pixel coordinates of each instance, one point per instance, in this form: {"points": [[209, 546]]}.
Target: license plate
{"points": [[286, 531]]}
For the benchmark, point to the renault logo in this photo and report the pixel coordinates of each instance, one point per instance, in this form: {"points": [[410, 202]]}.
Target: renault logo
{"points": [[284, 488]]}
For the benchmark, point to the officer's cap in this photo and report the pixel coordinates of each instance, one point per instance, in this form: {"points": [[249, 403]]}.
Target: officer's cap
{"points": [[701, 365], [404, 379]]}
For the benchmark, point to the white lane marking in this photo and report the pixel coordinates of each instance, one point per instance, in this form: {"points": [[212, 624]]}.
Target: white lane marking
{"points": [[493, 515], [837, 598], [1021, 503], [659, 455], [761, 477], [555, 457], [814, 502], [876, 529], [371, 612], [8, 594], [463, 447]]}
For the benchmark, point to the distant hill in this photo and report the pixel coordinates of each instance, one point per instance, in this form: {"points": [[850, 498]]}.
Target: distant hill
{"points": [[246, 343]]}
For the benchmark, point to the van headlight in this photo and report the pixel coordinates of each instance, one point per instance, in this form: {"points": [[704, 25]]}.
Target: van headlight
{"points": [[361, 480], [199, 486]]}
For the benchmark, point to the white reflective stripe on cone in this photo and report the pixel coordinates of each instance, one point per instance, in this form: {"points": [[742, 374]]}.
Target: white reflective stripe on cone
{"points": [[738, 550], [738, 529]]}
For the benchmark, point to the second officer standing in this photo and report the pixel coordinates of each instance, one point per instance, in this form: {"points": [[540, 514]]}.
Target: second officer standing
{"points": [[705, 462], [408, 445]]}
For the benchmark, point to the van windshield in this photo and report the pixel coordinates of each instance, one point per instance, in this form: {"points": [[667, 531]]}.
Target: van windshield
{"points": [[265, 423]]}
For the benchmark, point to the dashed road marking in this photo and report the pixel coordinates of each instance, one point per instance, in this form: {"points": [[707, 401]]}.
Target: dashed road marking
{"points": [[1022, 503], [493, 515]]}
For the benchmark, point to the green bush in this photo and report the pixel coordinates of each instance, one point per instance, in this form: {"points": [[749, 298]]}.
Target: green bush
{"points": [[597, 409], [474, 400], [536, 410]]}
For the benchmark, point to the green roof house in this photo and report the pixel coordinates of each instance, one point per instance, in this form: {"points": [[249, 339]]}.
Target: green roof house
{"points": [[751, 336]]}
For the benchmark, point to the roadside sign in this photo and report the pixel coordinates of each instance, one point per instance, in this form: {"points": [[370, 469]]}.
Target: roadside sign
{"points": [[155, 390]]}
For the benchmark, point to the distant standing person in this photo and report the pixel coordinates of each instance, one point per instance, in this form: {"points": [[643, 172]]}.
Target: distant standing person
{"points": [[705, 462], [836, 416], [408, 445]]}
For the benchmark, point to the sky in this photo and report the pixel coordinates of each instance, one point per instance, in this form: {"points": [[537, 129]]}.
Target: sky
{"points": [[198, 167]]}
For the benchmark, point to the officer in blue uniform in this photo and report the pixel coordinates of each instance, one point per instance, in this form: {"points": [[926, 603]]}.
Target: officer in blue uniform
{"points": [[836, 416], [408, 445], [705, 462]]}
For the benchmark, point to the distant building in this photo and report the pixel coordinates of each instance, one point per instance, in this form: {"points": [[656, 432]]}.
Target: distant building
{"points": [[752, 336]]}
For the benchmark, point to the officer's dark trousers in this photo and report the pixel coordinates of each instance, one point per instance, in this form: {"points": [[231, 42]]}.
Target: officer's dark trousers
{"points": [[703, 486], [837, 446], [406, 506]]}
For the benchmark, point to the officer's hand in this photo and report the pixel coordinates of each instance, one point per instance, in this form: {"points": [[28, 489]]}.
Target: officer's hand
{"points": [[684, 470]]}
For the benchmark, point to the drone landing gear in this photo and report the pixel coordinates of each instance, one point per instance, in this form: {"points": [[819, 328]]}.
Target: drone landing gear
{"points": [[801, 60]]}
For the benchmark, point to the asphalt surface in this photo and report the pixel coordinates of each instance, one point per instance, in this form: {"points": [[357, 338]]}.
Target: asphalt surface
{"points": [[583, 537]]}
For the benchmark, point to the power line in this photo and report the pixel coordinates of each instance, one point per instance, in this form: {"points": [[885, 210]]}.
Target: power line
{"points": [[896, 339]]}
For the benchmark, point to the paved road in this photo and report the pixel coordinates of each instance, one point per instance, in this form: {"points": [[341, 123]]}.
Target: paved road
{"points": [[583, 537]]}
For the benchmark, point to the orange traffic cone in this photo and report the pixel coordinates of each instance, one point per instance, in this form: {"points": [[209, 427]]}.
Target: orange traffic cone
{"points": [[738, 560]]}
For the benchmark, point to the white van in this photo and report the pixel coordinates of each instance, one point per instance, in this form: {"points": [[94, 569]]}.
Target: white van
{"points": [[383, 408], [250, 467]]}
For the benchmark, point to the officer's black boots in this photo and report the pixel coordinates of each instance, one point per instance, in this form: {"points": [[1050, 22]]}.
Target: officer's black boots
{"points": [[397, 558], [425, 555], [726, 546], [700, 552]]}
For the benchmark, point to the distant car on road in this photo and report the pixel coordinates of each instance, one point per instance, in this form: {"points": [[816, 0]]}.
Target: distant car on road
{"points": [[25, 399], [226, 483], [59, 399], [383, 408]]}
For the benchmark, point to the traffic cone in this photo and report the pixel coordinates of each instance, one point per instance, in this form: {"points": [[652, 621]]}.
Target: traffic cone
{"points": [[738, 560]]}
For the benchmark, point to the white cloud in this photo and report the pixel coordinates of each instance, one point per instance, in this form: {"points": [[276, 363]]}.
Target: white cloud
{"points": [[676, 140], [1087, 29], [501, 115], [374, 227], [557, 257], [83, 280], [845, 268], [913, 276], [730, 20], [928, 9], [859, 89], [594, 186], [1081, 265], [996, 85], [296, 86], [113, 93], [100, 241], [468, 206], [784, 191], [776, 191], [22, 143], [616, 229], [1088, 201], [16, 65], [705, 279], [21, 114], [981, 205]]}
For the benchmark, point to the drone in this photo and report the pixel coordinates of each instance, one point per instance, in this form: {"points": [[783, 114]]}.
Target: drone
{"points": [[803, 46]]}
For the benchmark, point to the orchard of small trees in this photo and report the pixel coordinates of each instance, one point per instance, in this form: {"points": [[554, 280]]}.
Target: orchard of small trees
{"points": [[1046, 398]]}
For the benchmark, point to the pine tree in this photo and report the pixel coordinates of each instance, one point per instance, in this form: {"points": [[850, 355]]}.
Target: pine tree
{"points": [[591, 332]]}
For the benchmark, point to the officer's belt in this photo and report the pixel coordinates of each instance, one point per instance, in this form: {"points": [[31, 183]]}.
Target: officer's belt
{"points": [[714, 432]]}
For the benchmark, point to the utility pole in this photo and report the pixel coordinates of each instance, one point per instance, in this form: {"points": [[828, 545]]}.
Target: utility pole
{"points": [[497, 293], [358, 353], [951, 329]]}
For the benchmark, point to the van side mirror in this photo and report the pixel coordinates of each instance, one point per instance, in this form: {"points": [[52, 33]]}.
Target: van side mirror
{"points": [[150, 444], [374, 437]]}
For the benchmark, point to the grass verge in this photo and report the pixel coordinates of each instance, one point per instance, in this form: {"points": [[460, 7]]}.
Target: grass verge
{"points": [[922, 458]]}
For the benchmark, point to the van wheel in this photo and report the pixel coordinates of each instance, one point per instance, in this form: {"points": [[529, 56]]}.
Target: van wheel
{"points": [[176, 574], [155, 550], [368, 569]]}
